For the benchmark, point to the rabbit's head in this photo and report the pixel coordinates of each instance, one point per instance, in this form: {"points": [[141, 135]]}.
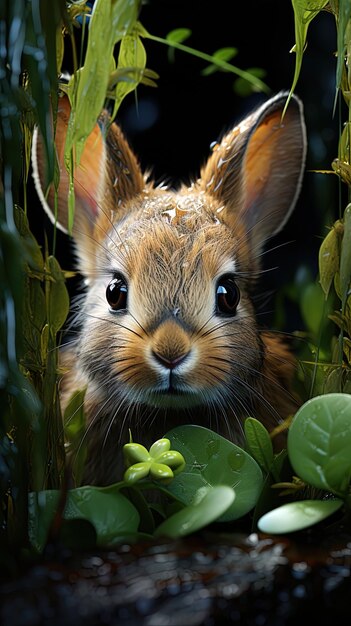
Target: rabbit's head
{"points": [[168, 321]]}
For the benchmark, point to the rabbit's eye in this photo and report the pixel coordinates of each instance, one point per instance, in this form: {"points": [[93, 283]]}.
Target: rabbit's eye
{"points": [[227, 295], [116, 294]]}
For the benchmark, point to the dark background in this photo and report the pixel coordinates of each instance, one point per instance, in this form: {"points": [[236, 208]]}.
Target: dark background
{"points": [[172, 127]]}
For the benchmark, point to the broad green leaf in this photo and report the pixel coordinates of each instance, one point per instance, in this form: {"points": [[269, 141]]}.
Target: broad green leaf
{"points": [[345, 259], [213, 460], [295, 516], [209, 504], [319, 442], [106, 509], [328, 260], [77, 534], [223, 54], [259, 443]]}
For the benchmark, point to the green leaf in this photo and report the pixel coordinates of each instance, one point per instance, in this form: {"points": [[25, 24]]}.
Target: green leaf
{"points": [[213, 460], [106, 509], [259, 443], [77, 534], [223, 54], [319, 442], [58, 306], [178, 35], [295, 516], [328, 260], [209, 504], [132, 57]]}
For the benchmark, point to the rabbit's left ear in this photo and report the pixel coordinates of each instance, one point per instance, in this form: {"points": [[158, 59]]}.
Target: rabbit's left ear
{"points": [[256, 171]]}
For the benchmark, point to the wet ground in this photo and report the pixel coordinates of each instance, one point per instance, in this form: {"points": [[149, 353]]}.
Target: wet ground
{"points": [[204, 580]]}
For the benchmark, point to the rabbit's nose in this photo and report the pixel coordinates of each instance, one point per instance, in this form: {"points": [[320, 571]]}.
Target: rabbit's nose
{"points": [[170, 363]]}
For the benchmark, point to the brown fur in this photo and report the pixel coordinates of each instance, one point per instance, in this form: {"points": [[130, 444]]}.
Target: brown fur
{"points": [[172, 247]]}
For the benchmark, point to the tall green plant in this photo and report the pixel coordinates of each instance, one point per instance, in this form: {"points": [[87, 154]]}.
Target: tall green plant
{"points": [[28, 81], [335, 250]]}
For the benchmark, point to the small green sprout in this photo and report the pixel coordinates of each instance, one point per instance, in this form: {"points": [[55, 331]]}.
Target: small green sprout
{"points": [[160, 463]]}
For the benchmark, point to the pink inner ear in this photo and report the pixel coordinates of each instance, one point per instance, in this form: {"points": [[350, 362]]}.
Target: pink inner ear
{"points": [[262, 156], [87, 175]]}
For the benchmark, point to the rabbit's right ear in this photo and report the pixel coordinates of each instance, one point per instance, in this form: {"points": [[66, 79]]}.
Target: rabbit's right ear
{"points": [[108, 174], [255, 172]]}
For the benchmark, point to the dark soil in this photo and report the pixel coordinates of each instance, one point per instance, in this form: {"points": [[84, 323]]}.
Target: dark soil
{"points": [[253, 580]]}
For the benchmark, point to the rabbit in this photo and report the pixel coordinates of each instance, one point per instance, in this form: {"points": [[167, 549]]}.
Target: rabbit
{"points": [[168, 330]]}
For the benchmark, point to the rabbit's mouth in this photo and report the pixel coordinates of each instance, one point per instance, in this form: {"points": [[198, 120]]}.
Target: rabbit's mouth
{"points": [[174, 398]]}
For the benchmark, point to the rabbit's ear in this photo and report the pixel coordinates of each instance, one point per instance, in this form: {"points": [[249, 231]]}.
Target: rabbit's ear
{"points": [[86, 176], [256, 170], [107, 168]]}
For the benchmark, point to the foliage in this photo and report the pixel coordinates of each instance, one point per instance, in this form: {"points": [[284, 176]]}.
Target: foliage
{"points": [[319, 444], [213, 460], [205, 491], [33, 300], [28, 81], [217, 481], [209, 479]]}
